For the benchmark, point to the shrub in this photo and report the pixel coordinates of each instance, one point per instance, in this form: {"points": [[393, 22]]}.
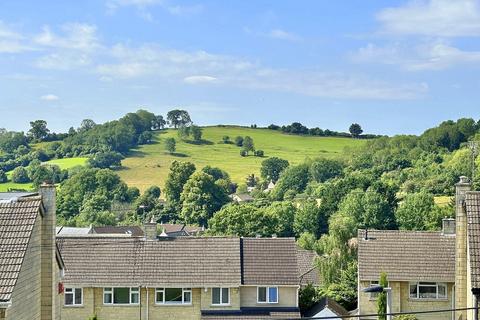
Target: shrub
{"points": [[239, 141], [243, 153], [20, 175], [226, 139], [259, 153], [3, 177]]}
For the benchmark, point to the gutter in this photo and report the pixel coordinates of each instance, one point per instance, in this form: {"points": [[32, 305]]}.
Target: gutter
{"points": [[5, 304]]}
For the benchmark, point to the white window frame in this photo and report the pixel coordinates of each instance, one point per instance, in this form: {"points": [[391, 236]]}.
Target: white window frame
{"points": [[131, 291], [267, 294], [221, 297], [73, 293], [436, 285], [184, 290]]}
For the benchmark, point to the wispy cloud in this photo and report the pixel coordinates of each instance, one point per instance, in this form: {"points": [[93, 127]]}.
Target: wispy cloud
{"points": [[11, 41], [199, 79], [49, 97], [438, 18], [432, 55], [141, 6], [283, 35]]}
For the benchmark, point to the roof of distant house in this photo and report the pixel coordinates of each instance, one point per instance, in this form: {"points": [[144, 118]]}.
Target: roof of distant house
{"points": [[243, 197], [307, 269], [473, 213], [134, 231], [71, 231], [182, 261], [406, 255], [17, 219], [325, 302]]}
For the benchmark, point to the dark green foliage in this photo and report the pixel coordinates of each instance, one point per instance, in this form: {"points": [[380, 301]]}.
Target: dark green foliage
{"points": [[196, 133], [226, 139], [20, 175], [382, 297], [200, 198], [179, 174], [243, 153], [251, 180], [10, 140], [158, 123], [3, 177], [216, 173], [307, 297], [38, 130], [239, 141], [414, 212], [85, 125], [309, 218], [39, 173], [294, 178], [323, 169], [259, 153], [449, 134], [104, 160], [85, 183], [248, 144], [355, 130], [272, 168], [148, 202], [344, 291], [178, 118], [170, 145]]}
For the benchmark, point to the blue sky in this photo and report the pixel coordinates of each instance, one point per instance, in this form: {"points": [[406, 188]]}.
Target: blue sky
{"points": [[392, 66]]}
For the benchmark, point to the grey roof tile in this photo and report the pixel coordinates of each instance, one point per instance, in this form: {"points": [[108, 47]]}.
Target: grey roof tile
{"points": [[473, 215], [406, 255]]}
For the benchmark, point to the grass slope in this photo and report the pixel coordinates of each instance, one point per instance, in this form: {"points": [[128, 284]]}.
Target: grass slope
{"points": [[66, 163], [149, 164]]}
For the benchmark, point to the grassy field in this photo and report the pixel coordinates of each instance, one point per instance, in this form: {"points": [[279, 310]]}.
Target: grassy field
{"points": [[66, 163], [149, 164]]}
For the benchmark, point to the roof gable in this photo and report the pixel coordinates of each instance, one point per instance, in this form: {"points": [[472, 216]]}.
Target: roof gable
{"points": [[406, 255], [17, 219]]}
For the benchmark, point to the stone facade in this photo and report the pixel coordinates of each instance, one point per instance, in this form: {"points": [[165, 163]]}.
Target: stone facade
{"points": [[401, 301], [201, 300]]}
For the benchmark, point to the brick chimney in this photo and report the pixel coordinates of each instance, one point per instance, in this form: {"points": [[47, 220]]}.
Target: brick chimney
{"points": [[461, 188], [150, 229], [48, 262]]}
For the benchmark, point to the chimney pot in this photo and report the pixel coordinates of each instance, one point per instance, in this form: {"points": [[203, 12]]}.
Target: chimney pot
{"points": [[448, 226], [150, 229]]}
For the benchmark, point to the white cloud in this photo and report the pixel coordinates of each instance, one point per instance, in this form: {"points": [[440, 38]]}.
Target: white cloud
{"points": [[199, 79], [432, 55], [438, 18], [76, 36], [283, 35], [49, 97], [11, 41], [142, 7]]}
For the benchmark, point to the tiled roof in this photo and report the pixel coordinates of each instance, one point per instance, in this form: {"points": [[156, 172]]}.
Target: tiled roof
{"points": [[307, 270], [406, 255], [473, 213], [326, 303], [134, 231], [268, 261], [182, 262], [17, 219]]}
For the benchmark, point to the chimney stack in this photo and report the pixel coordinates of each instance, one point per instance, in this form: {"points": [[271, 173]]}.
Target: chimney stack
{"points": [[48, 263], [448, 226], [150, 229], [461, 188]]}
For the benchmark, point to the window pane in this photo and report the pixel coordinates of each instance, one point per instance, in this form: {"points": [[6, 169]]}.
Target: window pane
{"points": [[272, 294], [68, 299], [187, 297], [78, 296], [121, 295], [173, 295], [134, 297], [159, 297], [442, 291], [107, 298], [215, 295], [225, 298], [427, 292], [262, 294], [413, 290]]}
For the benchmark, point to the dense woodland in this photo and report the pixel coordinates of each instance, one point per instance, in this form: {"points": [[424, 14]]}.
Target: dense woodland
{"points": [[389, 183]]}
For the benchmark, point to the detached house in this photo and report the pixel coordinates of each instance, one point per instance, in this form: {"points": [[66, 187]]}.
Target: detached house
{"points": [[30, 265], [427, 270], [156, 278]]}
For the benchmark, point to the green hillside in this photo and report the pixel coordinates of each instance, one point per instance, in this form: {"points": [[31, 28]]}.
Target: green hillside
{"points": [[66, 163], [149, 164]]}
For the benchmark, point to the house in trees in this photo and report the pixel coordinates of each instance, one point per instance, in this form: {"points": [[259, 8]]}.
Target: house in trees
{"points": [[30, 264], [427, 270]]}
